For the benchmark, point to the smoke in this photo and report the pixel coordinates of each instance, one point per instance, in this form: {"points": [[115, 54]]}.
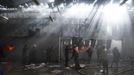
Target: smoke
{"points": [[82, 19], [107, 21]]}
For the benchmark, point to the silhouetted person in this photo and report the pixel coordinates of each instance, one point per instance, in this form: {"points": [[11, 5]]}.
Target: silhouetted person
{"points": [[104, 59], [1, 60], [1, 69], [33, 55], [90, 51], [131, 58], [48, 54], [99, 55], [24, 54], [76, 57], [67, 48], [116, 57]]}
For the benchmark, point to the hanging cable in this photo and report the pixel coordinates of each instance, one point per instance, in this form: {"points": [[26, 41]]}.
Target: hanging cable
{"points": [[123, 2], [36, 2]]}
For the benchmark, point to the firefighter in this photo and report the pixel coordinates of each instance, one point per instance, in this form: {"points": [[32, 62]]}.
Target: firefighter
{"points": [[76, 56], [67, 49], [116, 56]]}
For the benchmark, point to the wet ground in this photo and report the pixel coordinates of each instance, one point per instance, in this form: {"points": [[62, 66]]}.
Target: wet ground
{"points": [[52, 69]]}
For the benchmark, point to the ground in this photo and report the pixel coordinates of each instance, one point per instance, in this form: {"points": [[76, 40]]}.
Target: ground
{"points": [[55, 69]]}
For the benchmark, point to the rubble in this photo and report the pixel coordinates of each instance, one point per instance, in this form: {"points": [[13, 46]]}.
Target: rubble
{"points": [[34, 67], [56, 71], [54, 66]]}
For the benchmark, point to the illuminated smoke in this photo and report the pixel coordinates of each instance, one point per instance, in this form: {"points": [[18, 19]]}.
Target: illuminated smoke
{"points": [[81, 20]]}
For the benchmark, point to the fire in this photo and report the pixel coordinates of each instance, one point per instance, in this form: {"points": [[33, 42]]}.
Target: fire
{"points": [[9, 47]]}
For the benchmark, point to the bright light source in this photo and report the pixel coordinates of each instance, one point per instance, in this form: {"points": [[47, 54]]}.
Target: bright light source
{"points": [[78, 11], [51, 0], [43, 10], [61, 5], [129, 3], [5, 17], [114, 18], [113, 13], [55, 9], [109, 30]]}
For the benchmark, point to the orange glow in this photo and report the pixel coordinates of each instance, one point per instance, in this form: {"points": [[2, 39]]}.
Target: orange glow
{"points": [[9, 47]]}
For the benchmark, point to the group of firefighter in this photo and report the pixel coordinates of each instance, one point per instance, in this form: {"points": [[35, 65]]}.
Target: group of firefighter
{"points": [[78, 46]]}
